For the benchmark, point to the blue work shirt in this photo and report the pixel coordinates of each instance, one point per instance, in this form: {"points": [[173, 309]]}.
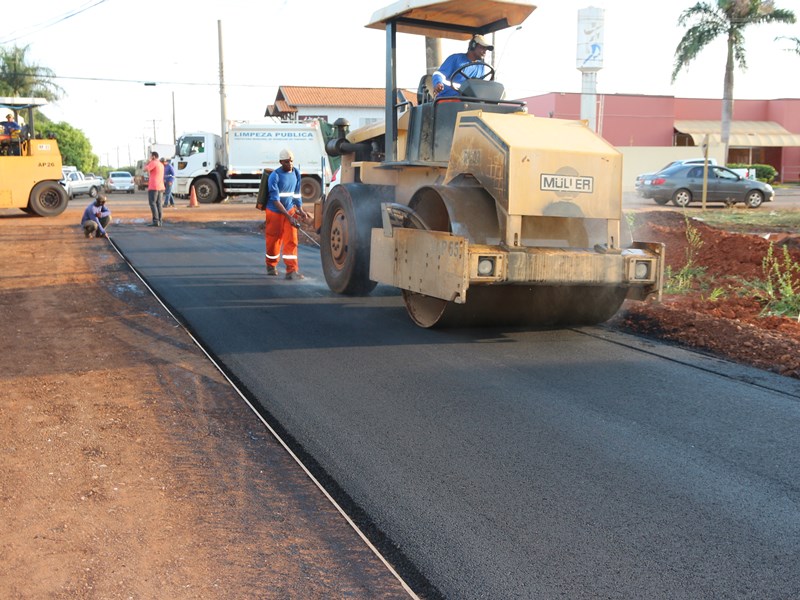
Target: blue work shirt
{"points": [[92, 213], [9, 127], [169, 173], [453, 63], [284, 187]]}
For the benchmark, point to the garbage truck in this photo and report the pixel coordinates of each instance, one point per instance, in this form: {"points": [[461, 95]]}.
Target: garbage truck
{"points": [[480, 213], [252, 148], [30, 166]]}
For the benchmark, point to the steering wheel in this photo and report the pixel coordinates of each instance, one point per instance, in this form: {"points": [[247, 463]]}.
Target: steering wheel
{"points": [[460, 71]]}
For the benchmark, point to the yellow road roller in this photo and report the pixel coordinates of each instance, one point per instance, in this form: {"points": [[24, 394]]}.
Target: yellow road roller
{"points": [[30, 167], [481, 213]]}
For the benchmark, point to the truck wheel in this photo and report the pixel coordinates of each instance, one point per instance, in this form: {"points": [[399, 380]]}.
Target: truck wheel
{"points": [[310, 189], [93, 192], [48, 199], [350, 214], [207, 190]]}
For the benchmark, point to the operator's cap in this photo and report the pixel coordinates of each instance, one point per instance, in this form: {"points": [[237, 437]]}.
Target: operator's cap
{"points": [[9, 116], [164, 159], [482, 41], [286, 154]]}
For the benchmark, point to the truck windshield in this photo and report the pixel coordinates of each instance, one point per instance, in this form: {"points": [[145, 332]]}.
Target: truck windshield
{"points": [[190, 145]]}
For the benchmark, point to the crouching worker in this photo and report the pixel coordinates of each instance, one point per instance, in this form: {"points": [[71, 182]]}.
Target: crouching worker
{"points": [[283, 205], [96, 218]]}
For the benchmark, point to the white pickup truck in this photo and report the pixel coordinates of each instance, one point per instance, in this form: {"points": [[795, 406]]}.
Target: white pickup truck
{"points": [[76, 183]]}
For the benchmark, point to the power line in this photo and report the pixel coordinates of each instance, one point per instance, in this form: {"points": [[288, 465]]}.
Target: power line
{"points": [[142, 81], [16, 35]]}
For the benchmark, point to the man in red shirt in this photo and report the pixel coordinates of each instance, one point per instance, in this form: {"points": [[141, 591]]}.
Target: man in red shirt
{"points": [[155, 188]]}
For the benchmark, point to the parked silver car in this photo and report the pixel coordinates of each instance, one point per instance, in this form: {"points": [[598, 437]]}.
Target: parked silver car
{"points": [[684, 184], [120, 181]]}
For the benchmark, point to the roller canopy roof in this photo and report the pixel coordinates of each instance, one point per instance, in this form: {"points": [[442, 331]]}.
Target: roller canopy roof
{"points": [[20, 103], [455, 19]]}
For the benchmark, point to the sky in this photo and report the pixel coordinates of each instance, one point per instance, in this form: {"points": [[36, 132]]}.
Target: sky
{"points": [[104, 53]]}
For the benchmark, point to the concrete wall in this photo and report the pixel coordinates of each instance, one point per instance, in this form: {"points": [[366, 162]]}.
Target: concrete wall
{"points": [[357, 116], [649, 159]]}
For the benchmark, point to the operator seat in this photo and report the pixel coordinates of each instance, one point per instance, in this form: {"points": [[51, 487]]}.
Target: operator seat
{"points": [[425, 90], [483, 89]]}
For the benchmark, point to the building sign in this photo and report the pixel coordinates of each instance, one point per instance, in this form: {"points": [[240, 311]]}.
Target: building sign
{"points": [[590, 39]]}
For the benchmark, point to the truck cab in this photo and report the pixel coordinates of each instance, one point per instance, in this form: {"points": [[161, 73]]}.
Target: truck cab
{"points": [[198, 163]]}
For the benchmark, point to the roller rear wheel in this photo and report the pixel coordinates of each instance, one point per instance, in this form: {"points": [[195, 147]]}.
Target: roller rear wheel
{"points": [[48, 199], [351, 211]]}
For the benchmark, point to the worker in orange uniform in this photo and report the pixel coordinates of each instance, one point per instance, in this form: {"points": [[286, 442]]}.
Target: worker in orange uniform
{"points": [[284, 205]]}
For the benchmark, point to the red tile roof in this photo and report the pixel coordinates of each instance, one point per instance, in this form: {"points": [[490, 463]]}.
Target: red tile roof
{"points": [[289, 98]]}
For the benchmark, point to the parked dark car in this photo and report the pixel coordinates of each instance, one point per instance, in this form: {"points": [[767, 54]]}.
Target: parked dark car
{"points": [[642, 178], [683, 184]]}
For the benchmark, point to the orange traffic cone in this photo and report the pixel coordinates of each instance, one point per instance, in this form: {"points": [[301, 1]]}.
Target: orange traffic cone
{"points": [[193, 198]]}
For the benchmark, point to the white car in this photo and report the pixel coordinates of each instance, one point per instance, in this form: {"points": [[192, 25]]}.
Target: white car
{"points": [[643, 178], [120, 181]]}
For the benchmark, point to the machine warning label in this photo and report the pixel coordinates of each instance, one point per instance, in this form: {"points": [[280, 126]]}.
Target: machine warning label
{"points": [[566, 183]]}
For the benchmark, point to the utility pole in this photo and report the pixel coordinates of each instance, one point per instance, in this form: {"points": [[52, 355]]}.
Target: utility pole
{"points": [[222, 107], [433, 54]]}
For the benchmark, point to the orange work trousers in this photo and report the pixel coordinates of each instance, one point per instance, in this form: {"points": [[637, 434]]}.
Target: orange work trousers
{"points": [[281, 237]]}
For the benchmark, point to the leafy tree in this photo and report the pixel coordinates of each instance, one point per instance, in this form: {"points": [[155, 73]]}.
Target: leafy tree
{"points": [[18, 77], [727, 18], [74, 146]]}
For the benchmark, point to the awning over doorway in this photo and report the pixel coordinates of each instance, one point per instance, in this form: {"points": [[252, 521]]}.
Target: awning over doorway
{"points": [[744, 134]]}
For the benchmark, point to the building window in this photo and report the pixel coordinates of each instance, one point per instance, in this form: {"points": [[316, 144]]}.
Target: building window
{"points": [[367, 121]]}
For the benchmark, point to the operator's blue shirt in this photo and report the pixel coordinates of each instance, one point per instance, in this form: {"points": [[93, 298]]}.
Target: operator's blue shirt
{"points": [[10, 127], [453, 63], [284, 187]]}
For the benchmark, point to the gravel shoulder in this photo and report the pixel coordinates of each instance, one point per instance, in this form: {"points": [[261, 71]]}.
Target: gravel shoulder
{"points": [[129, 468]]}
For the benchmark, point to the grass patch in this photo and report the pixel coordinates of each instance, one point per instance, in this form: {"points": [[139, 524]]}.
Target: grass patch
{"points": [[748, 220]]}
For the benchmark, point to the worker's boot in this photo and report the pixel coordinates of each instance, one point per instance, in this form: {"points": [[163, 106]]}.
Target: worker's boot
{"points": [[272, 271], [295, 275]]}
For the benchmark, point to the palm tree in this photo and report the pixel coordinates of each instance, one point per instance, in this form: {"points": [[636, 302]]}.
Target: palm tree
{"points": [[794, 40], [18, 77], [728, 18]]}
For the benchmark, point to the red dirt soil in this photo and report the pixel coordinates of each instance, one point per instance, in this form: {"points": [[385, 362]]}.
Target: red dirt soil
{"points": [[729, 326]]}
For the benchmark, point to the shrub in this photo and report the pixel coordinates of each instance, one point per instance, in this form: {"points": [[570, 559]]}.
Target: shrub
{"points": [[779, 292], [766, 173], [681, 281]]}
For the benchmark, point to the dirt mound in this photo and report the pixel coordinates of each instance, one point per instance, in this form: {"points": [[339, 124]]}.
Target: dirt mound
{"points": [[717, 313]]}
